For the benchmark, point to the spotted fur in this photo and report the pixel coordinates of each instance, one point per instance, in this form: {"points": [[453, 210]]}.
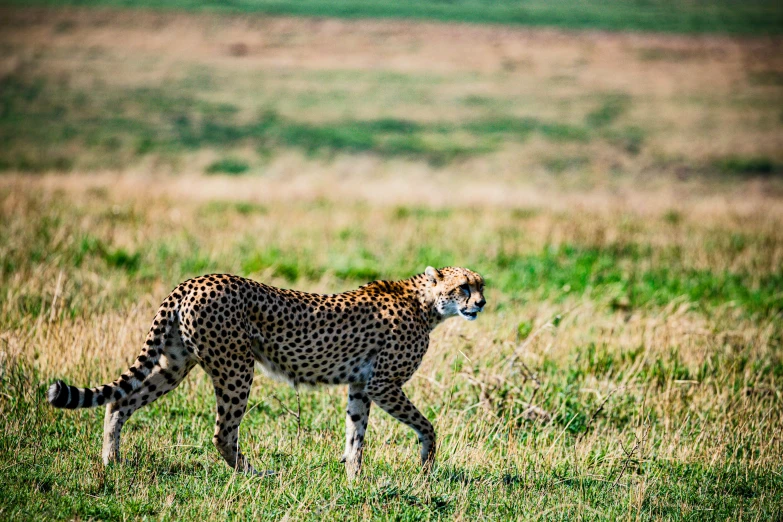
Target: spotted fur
{"points": [[372, 339]]}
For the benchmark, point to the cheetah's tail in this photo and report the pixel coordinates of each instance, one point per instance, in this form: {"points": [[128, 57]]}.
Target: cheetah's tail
{"points": [[61, 395]]}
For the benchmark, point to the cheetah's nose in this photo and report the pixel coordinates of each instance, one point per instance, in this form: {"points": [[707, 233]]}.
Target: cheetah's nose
{"points": [[481, 303]]}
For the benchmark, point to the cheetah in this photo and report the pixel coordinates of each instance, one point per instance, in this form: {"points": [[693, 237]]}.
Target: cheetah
{"points": [[372, 339]]}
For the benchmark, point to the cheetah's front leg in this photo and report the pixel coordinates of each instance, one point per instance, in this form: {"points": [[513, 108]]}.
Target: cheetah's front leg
{"points": [[355, 427], [391, 399]]}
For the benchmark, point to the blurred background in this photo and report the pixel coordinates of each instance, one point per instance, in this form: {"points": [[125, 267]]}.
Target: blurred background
{"points": [[613, 168]]}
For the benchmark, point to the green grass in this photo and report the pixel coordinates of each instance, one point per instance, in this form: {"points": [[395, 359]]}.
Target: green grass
{"points": [[229, 165], [702, 16], [635, 343], [636, 274], [56, 473], [47, 128], [752, 166]]}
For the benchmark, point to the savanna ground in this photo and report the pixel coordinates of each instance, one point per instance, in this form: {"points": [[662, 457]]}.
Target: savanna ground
{"points": [[621, 193]]}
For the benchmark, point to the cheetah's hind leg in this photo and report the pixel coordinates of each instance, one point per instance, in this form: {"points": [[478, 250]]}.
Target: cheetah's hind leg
{"points": [[173, 367]]}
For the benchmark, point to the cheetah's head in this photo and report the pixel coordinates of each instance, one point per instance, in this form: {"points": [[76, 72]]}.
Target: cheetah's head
{"points": [[457, 291]]}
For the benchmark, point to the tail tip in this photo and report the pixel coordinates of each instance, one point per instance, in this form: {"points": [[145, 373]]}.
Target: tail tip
{"points": [[57, 394]]}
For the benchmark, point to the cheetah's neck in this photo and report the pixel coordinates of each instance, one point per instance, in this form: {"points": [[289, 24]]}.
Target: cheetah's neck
{"points": [[426, 298]]}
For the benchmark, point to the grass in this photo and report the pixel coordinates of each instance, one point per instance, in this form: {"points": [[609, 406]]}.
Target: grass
{"points": [[703, 16], [228, 165], [620, 271], [754, 166], [621, 196], [81, 102], [679, 362], [50, 128]]}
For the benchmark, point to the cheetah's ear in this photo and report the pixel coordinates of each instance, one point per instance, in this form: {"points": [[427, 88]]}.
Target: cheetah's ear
{"points": [[433, 275]]}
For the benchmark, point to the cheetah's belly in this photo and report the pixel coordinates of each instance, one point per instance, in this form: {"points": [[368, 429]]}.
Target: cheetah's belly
{"points": [[282, 363]]}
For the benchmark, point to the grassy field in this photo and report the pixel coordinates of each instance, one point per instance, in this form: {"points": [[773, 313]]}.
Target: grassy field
{"points": [[753, 17], [621, 193]]}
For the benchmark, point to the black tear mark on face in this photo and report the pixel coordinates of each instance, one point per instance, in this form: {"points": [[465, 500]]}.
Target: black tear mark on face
{"points": [[466, 288]]}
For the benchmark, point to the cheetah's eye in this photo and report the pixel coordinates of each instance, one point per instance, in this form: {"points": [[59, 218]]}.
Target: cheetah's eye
{"points": [[465, 288]]}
